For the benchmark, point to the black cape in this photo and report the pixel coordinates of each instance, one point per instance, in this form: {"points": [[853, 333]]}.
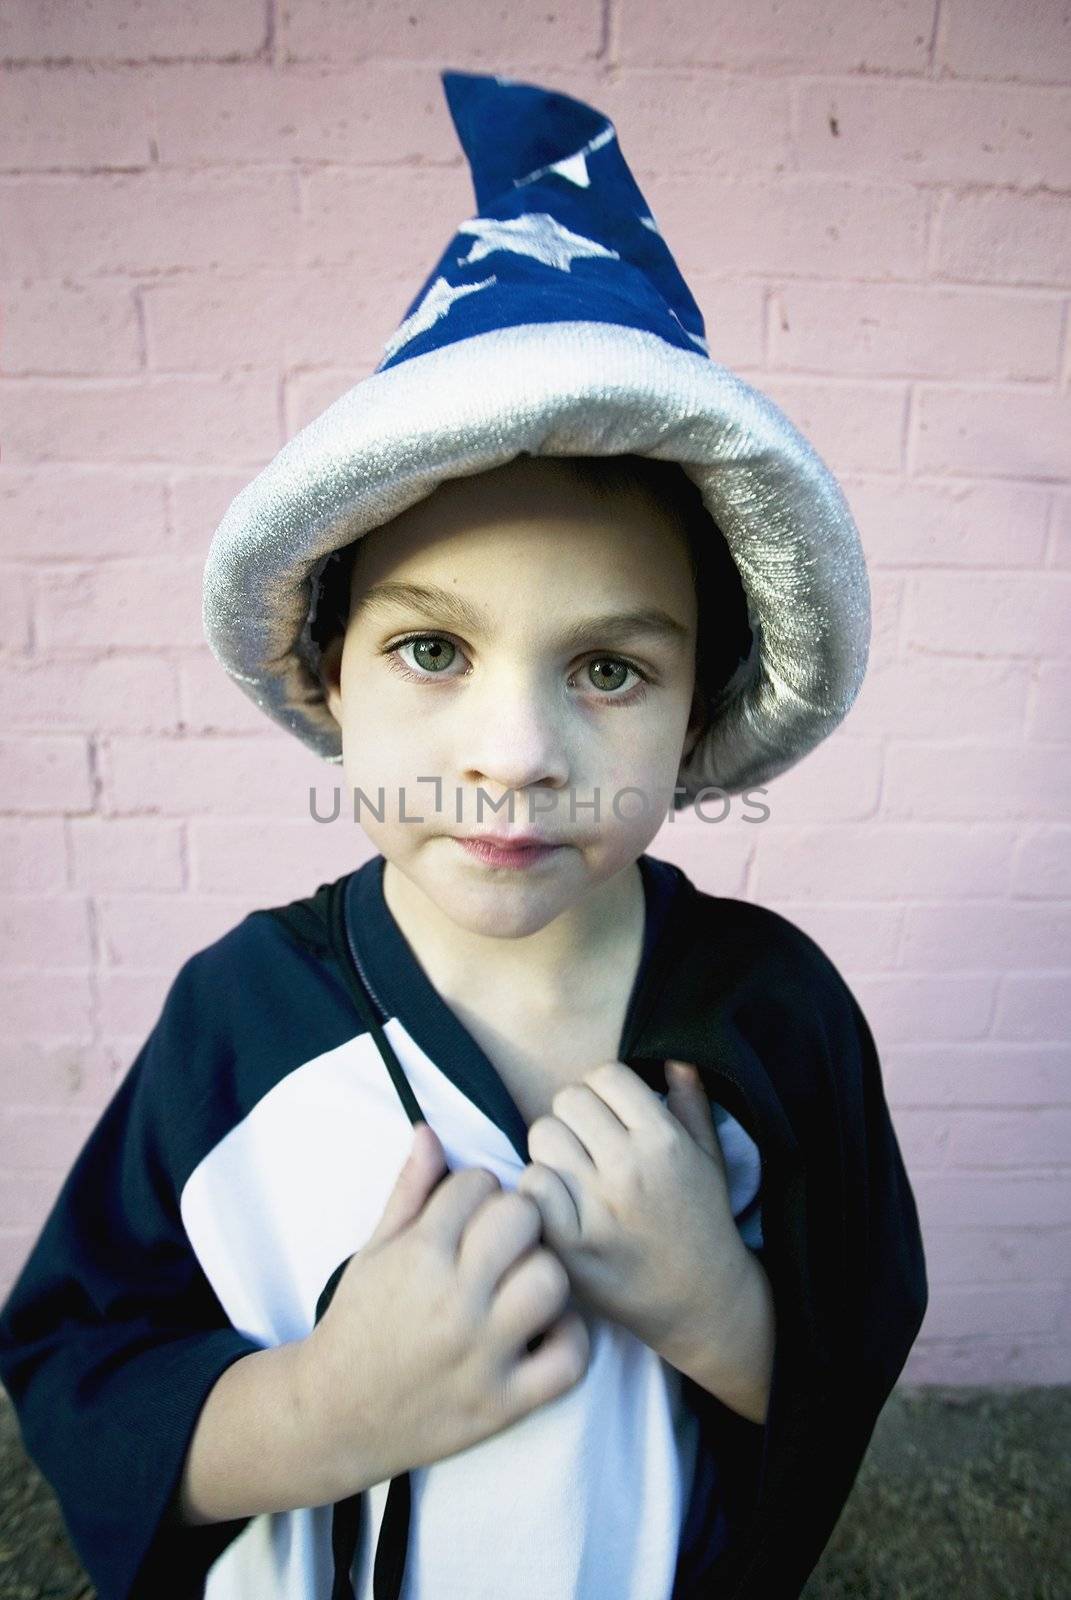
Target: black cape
{"points": [[123, 1334]]}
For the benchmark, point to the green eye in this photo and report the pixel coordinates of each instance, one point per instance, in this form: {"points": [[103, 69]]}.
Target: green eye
{"points": [[608, 664], [434, 649]]}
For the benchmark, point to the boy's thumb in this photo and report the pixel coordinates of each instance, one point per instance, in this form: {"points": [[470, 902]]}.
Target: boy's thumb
{"points": [[420, 1172]]}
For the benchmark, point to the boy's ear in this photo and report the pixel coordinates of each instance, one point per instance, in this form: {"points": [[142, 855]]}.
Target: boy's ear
{"points": [[697, 722], [331, 675]]}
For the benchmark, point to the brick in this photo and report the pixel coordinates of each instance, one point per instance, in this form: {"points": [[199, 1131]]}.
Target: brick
{"points": [[113, 29], [15, 611], [130, 1007], [990, 782], [1018, 1361], [925, 1006], [980, 1072], [97, 117], [365, 218], [1000, 236], [286, 860], [899, 330], [130, 694], [734, 317], [989, 613], [911, 1007], [979, 699], [268, 320], [140, 419], [1052, 694], [813, 35], [991, 935], [45, 774], [989, 1310], [855, 427], [1040, 1137], [147, 222], [162, 931], [1004, 39], [869, 861], [82, 513], [124, 605], [26, 1199], [33, 855], [723, 126], [70, 328], [998, 1255], [1000, 431], [43, 1141], [856, 938], [923, 1137], [1060, 541], [1034, 1005], [377, 111], [126, 853], [196, 502], [908, 522], [838, 780], [241, 776], [214, 702], [307, 394], [54, 1072], [938, 132], [1042, 864], [797, 225], [992, 1199], [46, 1001], [55, 928], [481, 34]]}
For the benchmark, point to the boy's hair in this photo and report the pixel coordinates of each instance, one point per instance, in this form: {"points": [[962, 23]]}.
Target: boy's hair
{"points": [[724, 631]]}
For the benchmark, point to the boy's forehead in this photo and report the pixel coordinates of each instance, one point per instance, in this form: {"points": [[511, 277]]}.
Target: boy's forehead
{"points": [[499, 511], [610, 549]]}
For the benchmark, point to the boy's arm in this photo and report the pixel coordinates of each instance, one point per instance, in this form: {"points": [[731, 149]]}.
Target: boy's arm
{"points": [[112, 1338], [736, 1367], [264, 1443]]}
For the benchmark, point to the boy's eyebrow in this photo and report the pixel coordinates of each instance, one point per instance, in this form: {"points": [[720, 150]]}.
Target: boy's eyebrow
{"points": [[445, 606]]}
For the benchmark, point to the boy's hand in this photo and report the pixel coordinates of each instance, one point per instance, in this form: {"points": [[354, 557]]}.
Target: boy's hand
{"points": [[635, 1203]]}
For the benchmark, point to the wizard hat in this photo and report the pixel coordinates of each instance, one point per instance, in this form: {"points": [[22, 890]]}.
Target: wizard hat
{"points": [[556, 322]]}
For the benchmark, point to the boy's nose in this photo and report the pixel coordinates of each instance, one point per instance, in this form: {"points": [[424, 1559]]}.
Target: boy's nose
{"points": [[515, 737]]}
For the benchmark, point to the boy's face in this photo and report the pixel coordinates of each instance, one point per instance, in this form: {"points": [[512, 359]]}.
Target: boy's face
{"points": [[520, 692]]}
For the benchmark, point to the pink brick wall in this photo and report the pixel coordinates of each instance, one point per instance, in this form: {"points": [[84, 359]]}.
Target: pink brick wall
{"points": [[212, 217]]}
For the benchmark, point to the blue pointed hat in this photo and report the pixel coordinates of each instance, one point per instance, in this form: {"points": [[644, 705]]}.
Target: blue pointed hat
{"points": [[556, 322], [562, 232]]}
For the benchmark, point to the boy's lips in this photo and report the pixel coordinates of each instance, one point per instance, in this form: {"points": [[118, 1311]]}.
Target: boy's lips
{"points": [[506, 841], [516, 853]]}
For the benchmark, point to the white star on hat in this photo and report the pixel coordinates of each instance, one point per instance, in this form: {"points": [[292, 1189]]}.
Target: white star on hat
{"points": [[574, 167], [435, 304], [537, 234]]}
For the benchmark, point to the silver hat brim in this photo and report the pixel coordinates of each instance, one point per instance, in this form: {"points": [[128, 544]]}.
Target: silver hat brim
{"points": [[564, 388]]}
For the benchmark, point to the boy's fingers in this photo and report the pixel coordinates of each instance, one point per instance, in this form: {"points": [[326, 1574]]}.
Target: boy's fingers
{"points": [[419, 1173], [687, 1100], [561, 1224]]}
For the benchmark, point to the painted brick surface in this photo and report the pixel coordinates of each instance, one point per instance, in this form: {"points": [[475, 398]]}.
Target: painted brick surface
{"points": [[212, 217]]}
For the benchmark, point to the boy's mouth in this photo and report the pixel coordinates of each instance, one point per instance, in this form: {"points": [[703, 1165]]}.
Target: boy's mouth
{"points": [[500, 851]]}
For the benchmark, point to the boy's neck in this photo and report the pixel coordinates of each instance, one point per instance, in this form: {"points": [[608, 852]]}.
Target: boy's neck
{"points": [[569, 964]]}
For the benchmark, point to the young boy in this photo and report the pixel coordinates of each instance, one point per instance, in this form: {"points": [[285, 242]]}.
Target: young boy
{"points": [[619, 1319]]}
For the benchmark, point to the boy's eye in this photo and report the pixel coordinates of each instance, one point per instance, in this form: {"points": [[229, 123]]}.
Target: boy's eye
{"points": [[433, 654]]}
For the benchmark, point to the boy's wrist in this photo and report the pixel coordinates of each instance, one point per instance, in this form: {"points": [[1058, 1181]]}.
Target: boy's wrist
{"points": [[728, 1349], [313, 1416]]}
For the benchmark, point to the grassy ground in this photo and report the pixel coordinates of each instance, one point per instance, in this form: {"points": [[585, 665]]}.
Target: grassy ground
{"points": [[964, 1493]]}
